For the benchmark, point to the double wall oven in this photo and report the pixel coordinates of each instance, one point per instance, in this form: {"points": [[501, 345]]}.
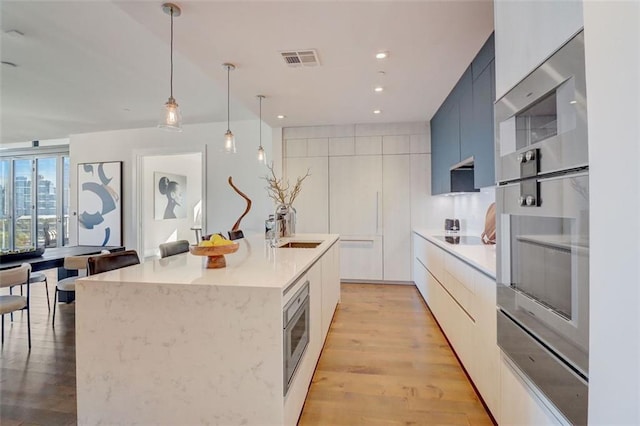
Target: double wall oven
{"points": [[543, 229]]}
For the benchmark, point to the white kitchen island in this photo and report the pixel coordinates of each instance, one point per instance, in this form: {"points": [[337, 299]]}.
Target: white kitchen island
{"points": [[170, 342]]}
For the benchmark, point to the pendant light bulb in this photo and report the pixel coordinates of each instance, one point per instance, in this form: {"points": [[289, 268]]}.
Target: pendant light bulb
{"points": [[262, 158], [229, 142], [229, 139], [171, 117]]}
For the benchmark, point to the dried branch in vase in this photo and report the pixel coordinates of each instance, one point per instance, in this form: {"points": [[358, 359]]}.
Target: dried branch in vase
{"points": [[278, 189]]}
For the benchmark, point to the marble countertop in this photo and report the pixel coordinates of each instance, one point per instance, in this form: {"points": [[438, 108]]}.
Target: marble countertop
{"points": [[255, 264], [480, 256]]}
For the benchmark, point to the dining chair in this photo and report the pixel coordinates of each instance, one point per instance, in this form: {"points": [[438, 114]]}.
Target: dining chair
{"points": [[41, 277], [11, 303], [173, 248], [72, 263], [112, 261]]}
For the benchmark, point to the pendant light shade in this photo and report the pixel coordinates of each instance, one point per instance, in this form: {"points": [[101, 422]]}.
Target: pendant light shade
{"points": [[171, 118], [229, 139], [262, 158]]}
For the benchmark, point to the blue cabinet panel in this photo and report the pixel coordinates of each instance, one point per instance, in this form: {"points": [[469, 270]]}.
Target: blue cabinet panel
{"points": [[484, 152], [465, 108], [483, 58]]}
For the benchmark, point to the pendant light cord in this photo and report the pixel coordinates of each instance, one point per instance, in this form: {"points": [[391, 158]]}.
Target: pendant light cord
{"points": [[260, 122], [228, 91], [171, 73]]}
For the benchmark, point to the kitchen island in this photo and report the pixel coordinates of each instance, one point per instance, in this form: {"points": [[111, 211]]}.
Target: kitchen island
{"points": [[170, 342]]}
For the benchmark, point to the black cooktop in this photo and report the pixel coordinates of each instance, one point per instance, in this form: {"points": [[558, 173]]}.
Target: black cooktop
{"points": [[460, 239]]}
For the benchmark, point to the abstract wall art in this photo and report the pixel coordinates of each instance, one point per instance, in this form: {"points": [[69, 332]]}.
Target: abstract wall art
{"points": [[169, 196], [100, 204]]}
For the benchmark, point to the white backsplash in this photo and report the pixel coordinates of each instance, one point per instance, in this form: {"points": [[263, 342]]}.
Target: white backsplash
{"points": [[471, 209]]}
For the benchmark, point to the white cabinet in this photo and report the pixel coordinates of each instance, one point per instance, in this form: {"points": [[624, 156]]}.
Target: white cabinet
{"points": [[527, 32], [330, 287], [361, 257], [518, 404], [463, 301], [355, 195], [355, 212], [314, 196], [396, 217]]}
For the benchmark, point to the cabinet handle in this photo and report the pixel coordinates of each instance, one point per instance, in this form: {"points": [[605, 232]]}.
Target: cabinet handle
{"points": [[377, 211], [357, 240]]}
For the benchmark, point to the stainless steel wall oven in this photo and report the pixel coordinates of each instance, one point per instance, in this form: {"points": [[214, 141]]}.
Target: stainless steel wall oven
{"points": [[543, 229], [296, 332]]}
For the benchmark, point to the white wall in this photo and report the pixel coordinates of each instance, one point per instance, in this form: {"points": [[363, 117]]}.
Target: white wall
{"points": [[612, 41], [158, 231], [223, 206], [471, 209], [527, 32]]}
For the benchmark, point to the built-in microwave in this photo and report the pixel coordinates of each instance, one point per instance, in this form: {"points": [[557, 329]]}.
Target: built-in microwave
{"points": [[546, 113], [295, 332]]}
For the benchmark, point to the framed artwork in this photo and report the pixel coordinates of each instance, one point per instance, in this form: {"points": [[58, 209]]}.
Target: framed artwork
{"points": [[100, 204], [169, 200]]}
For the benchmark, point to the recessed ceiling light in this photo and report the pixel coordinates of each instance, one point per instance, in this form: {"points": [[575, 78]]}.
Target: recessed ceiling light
{"points": [[573, 102], [378, 89], [280, 117], [377, 111], [382, 55]]}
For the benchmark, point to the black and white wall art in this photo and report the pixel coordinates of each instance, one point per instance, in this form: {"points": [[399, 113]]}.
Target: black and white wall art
{"points": [[100, 204], [169, 196]]}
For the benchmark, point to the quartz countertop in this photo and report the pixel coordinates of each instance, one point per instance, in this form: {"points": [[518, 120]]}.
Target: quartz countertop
{"points": [[480, 256], [255, 264]]}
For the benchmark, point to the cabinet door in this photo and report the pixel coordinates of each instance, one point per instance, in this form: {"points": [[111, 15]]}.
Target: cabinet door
{"points": [[396, 217], [360, 257], [355, 195], [330, 287], [465, 107], [484, 151], [438, 147], [312, 205], [452, 144]]}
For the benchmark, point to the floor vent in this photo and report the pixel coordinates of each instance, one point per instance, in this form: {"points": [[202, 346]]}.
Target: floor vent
{"points": [[301, 58]]}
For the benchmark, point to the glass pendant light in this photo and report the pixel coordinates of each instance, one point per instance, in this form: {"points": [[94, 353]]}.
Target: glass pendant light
{"points": [[171, 118], [262, 158], [229, 139]]}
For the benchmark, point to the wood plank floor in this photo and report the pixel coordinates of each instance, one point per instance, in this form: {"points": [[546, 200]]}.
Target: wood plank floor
{"points": [[385, 361]]}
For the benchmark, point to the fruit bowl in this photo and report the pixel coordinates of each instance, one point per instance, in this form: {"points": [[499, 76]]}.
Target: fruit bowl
{"points": [[215, 254]]}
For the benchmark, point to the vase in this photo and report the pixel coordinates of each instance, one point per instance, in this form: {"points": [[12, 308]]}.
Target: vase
{"points": [[285, 221]]}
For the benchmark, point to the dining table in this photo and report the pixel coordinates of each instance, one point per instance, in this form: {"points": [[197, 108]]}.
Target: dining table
{"points": [[54, 258]]}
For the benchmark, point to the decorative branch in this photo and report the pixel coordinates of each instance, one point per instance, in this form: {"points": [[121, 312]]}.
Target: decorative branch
{"points": [[297, 187], [279, 190]]}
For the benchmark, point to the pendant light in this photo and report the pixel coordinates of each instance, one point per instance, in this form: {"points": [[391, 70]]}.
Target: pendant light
{"points": [[262, 158], [171, 118], [229, 139]]}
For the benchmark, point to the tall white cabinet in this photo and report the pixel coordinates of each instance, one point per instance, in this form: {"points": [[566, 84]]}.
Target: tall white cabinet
{"points": [[360, 188]]}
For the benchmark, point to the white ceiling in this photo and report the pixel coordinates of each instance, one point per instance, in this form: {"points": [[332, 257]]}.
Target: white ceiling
{"points": [[91, 66]]}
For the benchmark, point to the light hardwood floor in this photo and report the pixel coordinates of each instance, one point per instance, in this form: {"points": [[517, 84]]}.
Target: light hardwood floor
{"points": [[385, 362]]}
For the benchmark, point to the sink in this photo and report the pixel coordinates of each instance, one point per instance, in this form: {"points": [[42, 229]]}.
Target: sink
{"points": [[301, 244]]}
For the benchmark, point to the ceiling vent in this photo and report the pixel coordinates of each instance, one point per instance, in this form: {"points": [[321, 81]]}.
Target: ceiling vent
{"points": [[300, 58]]}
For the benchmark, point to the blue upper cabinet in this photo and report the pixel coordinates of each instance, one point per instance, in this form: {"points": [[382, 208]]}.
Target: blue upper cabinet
{"points": [[465, 106], [484, 91], [463, 126]]}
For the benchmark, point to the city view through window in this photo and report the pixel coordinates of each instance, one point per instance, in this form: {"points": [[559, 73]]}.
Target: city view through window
{"points": [[19, 211]]}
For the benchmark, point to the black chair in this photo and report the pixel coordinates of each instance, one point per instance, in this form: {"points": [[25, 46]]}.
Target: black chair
{"points": [[112, 261], [173, 248]]}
